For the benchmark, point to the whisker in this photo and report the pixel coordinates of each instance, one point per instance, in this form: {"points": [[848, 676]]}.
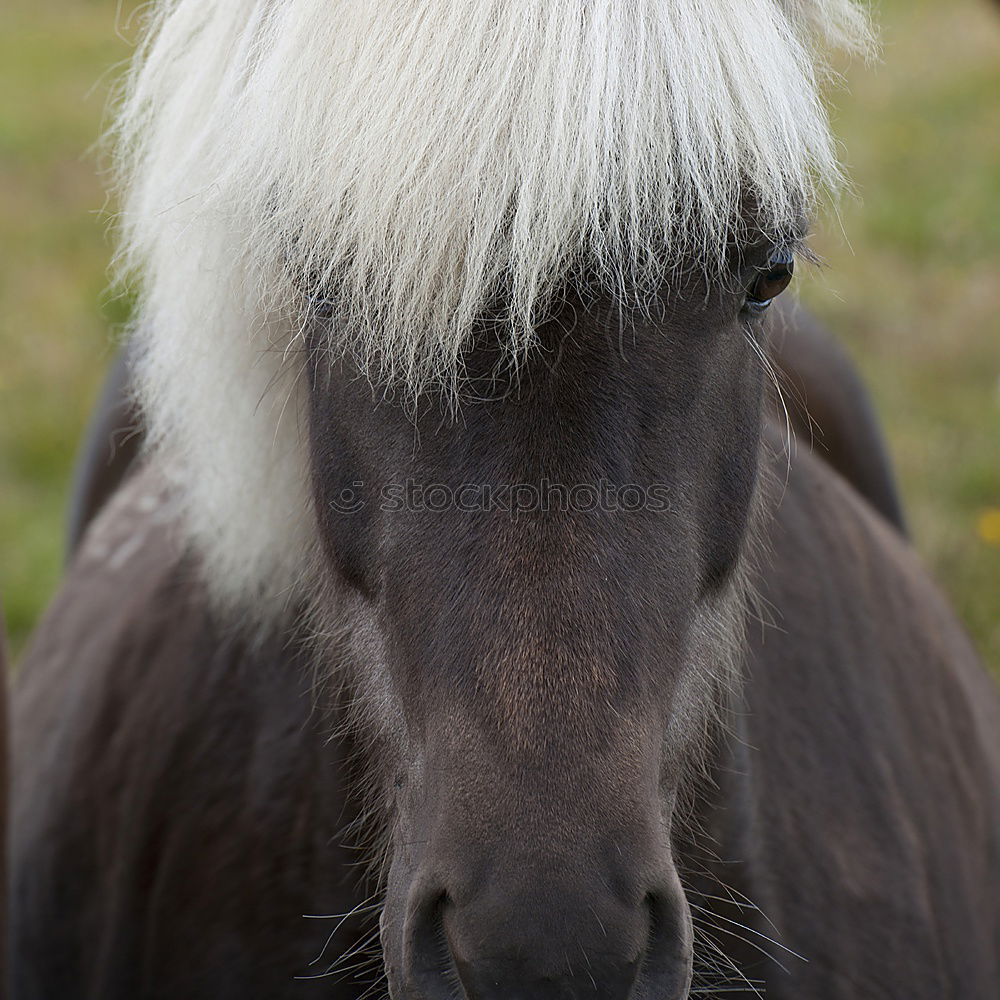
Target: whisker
{"points": [[707, 939], [751, 930], [366, 906]]}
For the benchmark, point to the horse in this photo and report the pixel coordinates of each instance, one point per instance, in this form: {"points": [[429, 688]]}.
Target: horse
{"points": [[469, 594]]}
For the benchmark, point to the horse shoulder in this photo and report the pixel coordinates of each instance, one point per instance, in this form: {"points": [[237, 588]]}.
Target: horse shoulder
{"points": [[178, 802], [873, 783]]}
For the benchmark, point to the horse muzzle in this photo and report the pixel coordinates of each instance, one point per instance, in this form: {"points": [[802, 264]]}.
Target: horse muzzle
{"points": [[532, 938]]}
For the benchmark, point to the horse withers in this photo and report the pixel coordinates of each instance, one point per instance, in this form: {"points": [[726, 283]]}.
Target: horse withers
{"points": [[454, 368]]}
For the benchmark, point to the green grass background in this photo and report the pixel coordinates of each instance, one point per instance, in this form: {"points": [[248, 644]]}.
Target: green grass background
{"points": [[911, 282]]}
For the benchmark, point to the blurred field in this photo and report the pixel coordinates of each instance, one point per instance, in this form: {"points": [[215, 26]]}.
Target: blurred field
{"points": [[913, 287]]}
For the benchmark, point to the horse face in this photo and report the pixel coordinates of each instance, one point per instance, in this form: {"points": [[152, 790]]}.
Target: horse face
{"points": [[540, 600]]}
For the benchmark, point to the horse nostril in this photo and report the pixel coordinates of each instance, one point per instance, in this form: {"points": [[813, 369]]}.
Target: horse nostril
{"points": [[427, 956], [666, 968]]}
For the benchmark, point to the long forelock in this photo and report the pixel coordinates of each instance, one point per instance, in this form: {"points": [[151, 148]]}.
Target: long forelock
{"points": [[418, 165]]}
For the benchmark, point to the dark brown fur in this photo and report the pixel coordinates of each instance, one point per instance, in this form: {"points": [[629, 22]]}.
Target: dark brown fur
{"points": [[111, 445], [179, 806]]}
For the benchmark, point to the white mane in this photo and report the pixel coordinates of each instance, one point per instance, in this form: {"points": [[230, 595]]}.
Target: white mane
{"points": [[420, 161]]}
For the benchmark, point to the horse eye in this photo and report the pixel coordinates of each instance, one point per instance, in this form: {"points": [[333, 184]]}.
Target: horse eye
{"points": [[772, 281]]}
